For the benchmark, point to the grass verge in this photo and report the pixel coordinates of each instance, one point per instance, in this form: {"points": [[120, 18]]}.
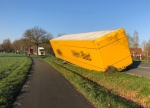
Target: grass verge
{"points": [[12, 84], [113, 90], [11, 55]]}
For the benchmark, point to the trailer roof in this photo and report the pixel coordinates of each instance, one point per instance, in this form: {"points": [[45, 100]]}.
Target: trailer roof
{"points": [[85, 36]]}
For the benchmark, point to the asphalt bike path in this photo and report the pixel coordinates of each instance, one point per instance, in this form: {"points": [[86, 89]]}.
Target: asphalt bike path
{"points": [[47, 88]]}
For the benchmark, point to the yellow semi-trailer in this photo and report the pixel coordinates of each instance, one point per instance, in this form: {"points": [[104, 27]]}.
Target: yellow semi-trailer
{"points": [[94, 50]]}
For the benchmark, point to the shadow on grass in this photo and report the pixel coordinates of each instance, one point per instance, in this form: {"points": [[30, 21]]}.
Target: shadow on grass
{"points": [[103, 95]]}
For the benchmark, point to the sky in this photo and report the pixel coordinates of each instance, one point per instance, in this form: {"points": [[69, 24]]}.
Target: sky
{"points": [[74, 16]]}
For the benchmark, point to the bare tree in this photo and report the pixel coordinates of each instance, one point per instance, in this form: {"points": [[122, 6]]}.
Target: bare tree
{"points": [[148, 48], [25, 44], [47, 45], [16, 45], [144, 46], [1, 47], [135, 39], [36, 35], [7, 46], [130, 40], [61, 34]]}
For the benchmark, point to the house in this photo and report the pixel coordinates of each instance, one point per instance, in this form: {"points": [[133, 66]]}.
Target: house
{"points": [[136, 52]]}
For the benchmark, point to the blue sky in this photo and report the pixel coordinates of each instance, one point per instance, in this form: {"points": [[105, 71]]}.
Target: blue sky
{"points": [[74, 16]]}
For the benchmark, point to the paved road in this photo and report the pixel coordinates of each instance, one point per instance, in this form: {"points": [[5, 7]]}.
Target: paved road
{"points": [[47, 88], [140, 69]]}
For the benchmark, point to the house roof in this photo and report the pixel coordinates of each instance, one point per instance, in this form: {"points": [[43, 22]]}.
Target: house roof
{"points": [[137, 50], [85, 36]]}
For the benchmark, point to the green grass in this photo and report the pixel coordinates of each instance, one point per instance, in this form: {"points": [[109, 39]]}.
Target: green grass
{"points": [[11, 55], [8, 65], [114, 90], [143, 61], [13, 72]]}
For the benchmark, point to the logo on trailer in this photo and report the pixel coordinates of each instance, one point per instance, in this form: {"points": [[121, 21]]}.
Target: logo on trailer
{"points": [[59, 52], [81, 54]]}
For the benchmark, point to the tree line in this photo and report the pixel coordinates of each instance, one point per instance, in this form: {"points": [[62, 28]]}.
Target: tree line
{"points": [[33, 37], [133, 42], [37, 36]]}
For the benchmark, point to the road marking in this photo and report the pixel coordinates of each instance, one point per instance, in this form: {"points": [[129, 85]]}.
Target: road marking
{"points": [[138, 75], [140, 66], [134, 74], [144, 67]]}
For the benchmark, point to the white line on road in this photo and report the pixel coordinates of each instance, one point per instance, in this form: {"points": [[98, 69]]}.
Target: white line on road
{"points": [[144, 67], [140, 66]]}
